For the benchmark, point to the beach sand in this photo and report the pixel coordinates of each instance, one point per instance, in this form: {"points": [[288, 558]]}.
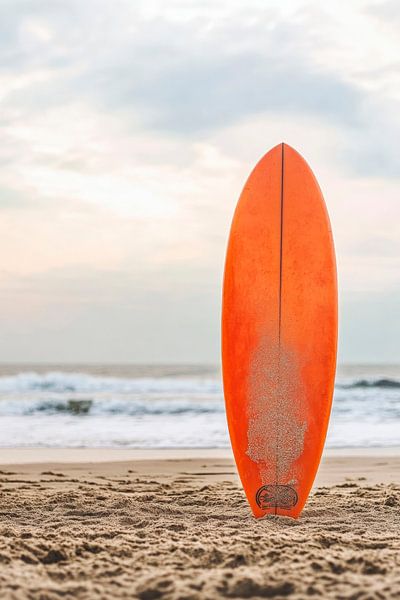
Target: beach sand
{"points": [[108, 524]]}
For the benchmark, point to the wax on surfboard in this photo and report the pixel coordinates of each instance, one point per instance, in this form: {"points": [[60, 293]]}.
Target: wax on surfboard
{"points": [[279, 332]]}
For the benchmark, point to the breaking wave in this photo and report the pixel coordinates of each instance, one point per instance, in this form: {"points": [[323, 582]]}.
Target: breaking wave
{"points": [[370, 383], [154, 407], [60, 382], [97, 407]]}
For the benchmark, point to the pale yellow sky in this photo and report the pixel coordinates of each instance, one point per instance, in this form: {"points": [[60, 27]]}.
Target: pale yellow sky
{"points": [[128, 130]]}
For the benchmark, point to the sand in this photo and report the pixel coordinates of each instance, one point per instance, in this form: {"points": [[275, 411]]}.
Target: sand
{"points": [[180, 527]]}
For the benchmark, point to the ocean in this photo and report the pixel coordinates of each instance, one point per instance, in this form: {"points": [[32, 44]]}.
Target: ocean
{"points": [[170, 406]]}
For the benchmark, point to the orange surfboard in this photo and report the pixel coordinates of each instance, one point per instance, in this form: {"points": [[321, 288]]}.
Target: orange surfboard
{"points": [[279, 332]]}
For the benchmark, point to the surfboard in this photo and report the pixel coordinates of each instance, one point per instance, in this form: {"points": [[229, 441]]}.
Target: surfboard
{"points": [[279, 332]]}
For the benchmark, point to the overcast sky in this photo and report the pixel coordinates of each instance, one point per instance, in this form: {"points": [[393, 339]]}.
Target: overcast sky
{"points": [[128, 129]]}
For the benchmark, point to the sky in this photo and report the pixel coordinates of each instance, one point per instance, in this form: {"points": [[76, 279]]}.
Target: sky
{"points": [[127, 132]]}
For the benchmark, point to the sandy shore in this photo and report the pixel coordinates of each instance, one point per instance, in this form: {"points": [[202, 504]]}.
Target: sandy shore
{"points": [[127, 524]]}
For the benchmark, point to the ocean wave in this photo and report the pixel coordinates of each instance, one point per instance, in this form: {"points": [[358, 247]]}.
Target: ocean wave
{"points": [[60, 382], [370, 383], [96, 407], [57, 407]]}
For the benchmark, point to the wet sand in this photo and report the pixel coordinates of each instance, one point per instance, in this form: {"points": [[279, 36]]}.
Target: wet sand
{"points": [[176, 525]]}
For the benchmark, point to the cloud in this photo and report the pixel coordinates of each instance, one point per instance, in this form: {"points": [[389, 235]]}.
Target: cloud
{"points": [[103, 315], [10, 198], [128, 129], [199, 96], [388, 12], [189, 77], [367, 335], [184, 77]]}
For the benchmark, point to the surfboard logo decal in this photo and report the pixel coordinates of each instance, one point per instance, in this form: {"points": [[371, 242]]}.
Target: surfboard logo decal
{"points": [[276, 496]]}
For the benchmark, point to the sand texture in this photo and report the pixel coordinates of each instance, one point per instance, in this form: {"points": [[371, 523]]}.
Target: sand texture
{"points": [[182, 529]]}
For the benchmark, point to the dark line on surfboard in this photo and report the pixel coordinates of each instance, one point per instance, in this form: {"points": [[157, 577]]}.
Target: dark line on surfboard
{"points": [[280, 304], [281, 247]]}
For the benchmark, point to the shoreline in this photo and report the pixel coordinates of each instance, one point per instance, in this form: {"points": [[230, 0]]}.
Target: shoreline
{"points": [[37, 455], [201, 465]]}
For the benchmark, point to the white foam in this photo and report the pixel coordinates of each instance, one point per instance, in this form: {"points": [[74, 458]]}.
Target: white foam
{"points": [[165, 412]]}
